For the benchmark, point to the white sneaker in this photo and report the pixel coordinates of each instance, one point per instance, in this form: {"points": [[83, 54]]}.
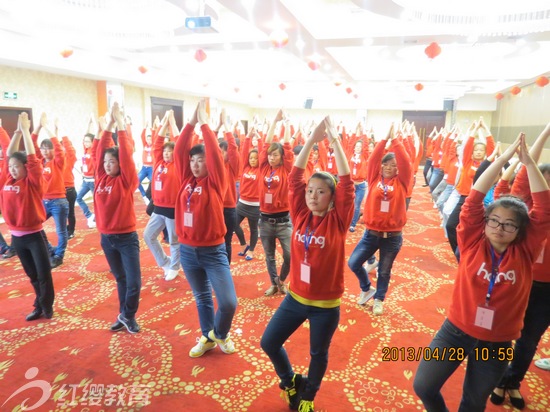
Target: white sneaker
{"points": [[91, 221], [170, 274], [371, 266], [271, 291], [543, 364], [226, 345], [364, 297], [378, 307], [203, 345]]}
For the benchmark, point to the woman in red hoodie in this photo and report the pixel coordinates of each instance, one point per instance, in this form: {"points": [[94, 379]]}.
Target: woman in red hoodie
{"points": [[116, 182], [321, 211], [22, 208], [201, 229], [498, 247]]}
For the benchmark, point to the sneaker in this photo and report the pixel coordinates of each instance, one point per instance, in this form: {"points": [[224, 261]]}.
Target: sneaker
{"points": [[118, 325], [371, 266], [226, 345], [170, 274], [71, 235], [352, 229], [378, 307], [306, 406], [543, 364], [203, 345], [91, 221], [271, 291], [282, 289], [130, 324], [364, 297], [56, 261], [293, 393], [9, 253]]}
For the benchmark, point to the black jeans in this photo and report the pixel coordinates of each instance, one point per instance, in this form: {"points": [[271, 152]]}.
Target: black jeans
{"points": [[230, 218], [452, 223], [32, 250], [70, 194]]}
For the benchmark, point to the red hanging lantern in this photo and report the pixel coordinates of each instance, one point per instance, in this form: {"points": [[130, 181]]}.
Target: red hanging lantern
{"points": [[355, 96], [142, 69], [542, 81], [68, 52], [282, 86], [418, 86], [348, 90], [433, 50], [515, 90], [499, 96], [278, 38], [200, 55], [313, 65], [337, 83]]}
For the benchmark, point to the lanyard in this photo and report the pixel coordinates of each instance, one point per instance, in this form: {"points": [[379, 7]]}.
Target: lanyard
{"points": [[161, 170], [191, 194], [270, 179], [495, 264], [307, 237], [385, 186]]}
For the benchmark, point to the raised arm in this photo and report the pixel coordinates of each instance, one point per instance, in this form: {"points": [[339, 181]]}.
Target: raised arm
{"points": [[25, 126], [339, 154], [272, 126], [537, 182], [486, 180]]}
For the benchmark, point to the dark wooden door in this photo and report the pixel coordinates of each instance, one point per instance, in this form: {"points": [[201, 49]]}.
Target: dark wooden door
{"points": [[424, 122], [160, 106], [9, 117]]}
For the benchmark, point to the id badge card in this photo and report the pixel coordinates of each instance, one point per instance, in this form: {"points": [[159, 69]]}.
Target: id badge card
{"points": [[354, 171], [385, 206], [149, 159], [305, 272], [484, 317], [269, 198], [85, 168], [188, 219], [329, 165], [158, 184]]}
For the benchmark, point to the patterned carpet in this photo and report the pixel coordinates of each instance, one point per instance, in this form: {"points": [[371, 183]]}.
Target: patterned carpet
{"points": [[89, 368]]}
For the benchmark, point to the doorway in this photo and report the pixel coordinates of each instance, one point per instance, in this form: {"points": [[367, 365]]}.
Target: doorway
{"points": [[9, 116], [424, 122], [159, 106]]}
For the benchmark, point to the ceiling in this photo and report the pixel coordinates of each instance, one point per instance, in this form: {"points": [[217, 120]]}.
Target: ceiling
{"points": [[346, 54]]}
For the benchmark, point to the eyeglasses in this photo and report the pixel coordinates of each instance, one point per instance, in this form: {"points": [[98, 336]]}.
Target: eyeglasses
{"points": [[507, 227]]}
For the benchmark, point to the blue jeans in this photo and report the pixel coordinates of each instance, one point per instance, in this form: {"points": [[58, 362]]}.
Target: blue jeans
{"points": [[145, 172], [157, 223], [360, 190], [122, 253], [269, 233], [87, 186], [230, 219], [59, 209], [32, 250], [290, 315], [436, 177], [367, 246], [444, 196], [207, 268], [535, 323], [482, 374]]}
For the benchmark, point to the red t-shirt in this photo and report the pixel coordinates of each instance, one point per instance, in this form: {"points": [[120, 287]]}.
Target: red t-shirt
{"points": [[202, 197], [510, 294], [114, 196], [326, 253]]}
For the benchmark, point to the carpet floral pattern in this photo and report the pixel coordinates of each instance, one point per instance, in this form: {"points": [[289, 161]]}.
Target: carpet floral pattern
{"points": [[74, 363]]}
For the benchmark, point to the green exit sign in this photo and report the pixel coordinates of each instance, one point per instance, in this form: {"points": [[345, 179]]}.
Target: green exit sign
{"points": [[10, 95]]}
